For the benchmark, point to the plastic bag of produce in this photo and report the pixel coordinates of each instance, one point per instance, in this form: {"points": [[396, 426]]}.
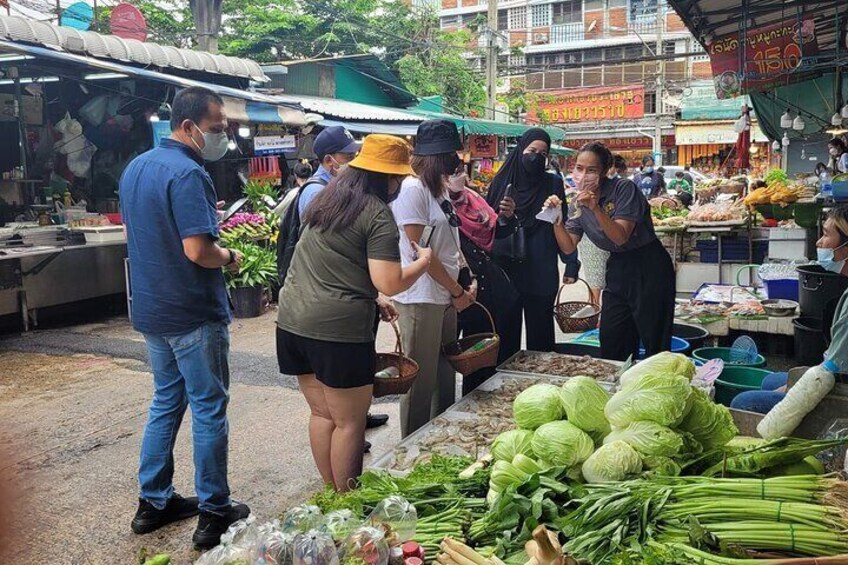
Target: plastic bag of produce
{"points": [[584, 400], [711, 424], [302, 518], [537, 405], [366, 545], [315, 547], [396, 513], [653, 398], [562, 444], [238, 544], [276, 548], [340, 523], [612, 462], [509, 444], [799, 401], [665, 363], [648, 438]]}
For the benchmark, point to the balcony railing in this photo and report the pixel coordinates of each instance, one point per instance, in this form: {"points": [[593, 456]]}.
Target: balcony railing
{"points": [[566, 33]]}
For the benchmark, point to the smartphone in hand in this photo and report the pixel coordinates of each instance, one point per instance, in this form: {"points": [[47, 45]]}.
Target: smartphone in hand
{"points": [[424, 240]]}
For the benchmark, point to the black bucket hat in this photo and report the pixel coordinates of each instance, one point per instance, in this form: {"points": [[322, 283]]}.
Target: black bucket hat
{"points": [[436, 137]]}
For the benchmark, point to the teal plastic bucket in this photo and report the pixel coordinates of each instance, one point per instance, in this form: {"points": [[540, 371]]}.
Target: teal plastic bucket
{"points": [[723, 353], [734, 379]]}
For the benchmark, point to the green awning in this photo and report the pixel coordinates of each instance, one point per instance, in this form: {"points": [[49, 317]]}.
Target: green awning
{"points": [[489, 127], [557, 149]]}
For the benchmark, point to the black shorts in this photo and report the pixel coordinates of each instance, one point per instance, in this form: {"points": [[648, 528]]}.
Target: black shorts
{"points": [[336, 365]]}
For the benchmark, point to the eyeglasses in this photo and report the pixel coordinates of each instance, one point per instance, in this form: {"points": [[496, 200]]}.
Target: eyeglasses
{"points": [[453, 220]]}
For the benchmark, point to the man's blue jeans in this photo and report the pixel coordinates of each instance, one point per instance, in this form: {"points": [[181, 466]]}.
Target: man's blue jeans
{"points": [[188, 370]]}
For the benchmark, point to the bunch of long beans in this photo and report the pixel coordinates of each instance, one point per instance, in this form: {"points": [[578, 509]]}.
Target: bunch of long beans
{"points": [[430, 531]]}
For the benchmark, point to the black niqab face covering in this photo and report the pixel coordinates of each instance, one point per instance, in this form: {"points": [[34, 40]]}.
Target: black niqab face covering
{"points": [[526, 173]]}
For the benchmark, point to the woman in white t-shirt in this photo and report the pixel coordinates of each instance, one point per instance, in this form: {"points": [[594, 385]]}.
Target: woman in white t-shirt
{"points": [[428, 309]]}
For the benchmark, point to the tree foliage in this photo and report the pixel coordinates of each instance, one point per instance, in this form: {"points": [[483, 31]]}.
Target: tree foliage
{"points": [[428, 60]]}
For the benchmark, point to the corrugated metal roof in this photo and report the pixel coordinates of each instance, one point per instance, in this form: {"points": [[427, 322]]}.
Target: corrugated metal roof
{"points": [[355, 111], [15, 28]]}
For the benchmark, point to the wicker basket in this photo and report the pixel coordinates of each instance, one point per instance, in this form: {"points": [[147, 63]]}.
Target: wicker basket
{"points": [[407, 368], [564, 313], [466, 361]]}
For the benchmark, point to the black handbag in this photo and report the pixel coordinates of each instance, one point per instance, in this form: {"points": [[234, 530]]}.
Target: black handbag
{"points": [[512, 248]]}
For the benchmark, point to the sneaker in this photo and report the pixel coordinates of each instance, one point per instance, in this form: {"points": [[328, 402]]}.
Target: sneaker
{"points": [[210, 526], [376, 420], [367, 447], [149, 519]]}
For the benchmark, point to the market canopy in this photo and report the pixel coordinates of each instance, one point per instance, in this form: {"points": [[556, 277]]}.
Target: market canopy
{"points": [[490, 127], [262, 105], [757, 45]]}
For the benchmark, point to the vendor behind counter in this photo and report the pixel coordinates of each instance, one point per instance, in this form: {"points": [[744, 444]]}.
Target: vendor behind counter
{"points": [[832, 251]]}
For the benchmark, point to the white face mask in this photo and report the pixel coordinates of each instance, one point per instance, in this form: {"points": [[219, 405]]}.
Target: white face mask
{"points": [[214, 144]]}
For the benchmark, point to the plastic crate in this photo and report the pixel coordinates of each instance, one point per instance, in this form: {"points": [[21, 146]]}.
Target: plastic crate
{"points": [[786, 289], [732, 249]]}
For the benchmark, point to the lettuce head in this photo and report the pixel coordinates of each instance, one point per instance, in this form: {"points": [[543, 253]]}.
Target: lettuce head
{"points": [[537, 405], [562, 444], [712, 424], [612, 462], [509, 444], [665, 363], [661, 399], [583, 400], [648, 438]]}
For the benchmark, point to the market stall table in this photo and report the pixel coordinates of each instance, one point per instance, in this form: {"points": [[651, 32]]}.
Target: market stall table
{"points": [[41, 276]]}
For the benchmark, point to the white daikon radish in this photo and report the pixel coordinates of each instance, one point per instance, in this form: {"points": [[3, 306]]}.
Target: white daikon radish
{"points": [[799, 401]]}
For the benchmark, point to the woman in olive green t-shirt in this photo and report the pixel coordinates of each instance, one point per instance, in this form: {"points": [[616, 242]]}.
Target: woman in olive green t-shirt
{"points": [[347, 253]]}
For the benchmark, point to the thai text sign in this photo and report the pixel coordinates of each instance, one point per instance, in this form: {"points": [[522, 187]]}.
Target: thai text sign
{"points": [[483, 145], [622, 143], [590, 104], [759, 58]]}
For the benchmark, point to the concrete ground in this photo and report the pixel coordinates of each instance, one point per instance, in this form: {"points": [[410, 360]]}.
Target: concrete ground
{"points": [[73, 404]]}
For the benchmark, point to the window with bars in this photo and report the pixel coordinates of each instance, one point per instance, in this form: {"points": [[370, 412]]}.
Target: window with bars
{"points": [[540, 15], [632, 52], [650, 102], [503, 20], [642, 10], [613, 54], [450, 21], [668, 48], [593, 55], [518, 17], [516, 61], [568, 12]]}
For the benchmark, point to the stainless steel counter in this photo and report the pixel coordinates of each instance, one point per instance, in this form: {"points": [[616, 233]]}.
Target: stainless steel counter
{"points": [[49, 276]]}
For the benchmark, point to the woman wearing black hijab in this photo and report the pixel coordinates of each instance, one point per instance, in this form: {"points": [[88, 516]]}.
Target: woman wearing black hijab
{"points": [[519, 191]]}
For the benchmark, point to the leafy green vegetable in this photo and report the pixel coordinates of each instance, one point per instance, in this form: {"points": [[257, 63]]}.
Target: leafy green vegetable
{"points": [[776, 176], [509, 444], [537, 405], [649, 397], [711, 424], [665, 363], [504, 474], [583, 400], [648, 438], [526, 465], [562, 444], [661, 466], [612, 462]]}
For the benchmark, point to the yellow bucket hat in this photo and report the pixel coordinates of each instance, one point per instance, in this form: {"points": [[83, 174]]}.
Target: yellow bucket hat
{"points": [[382, 153]]}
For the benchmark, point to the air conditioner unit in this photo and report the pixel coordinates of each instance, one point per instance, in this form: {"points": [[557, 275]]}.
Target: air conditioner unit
{"points": [[540, 38]]}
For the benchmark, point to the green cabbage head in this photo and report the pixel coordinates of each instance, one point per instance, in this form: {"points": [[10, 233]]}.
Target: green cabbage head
{"points": [[509, 444], [537, 405], [612, 462], [661, 466], [654, 398], [583, 400], [648, 438], [562, 444], [710, 423], [665, 363]]}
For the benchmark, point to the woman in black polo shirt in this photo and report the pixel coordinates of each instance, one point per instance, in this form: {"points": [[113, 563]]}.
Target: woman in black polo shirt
{"points": [[640, 282]]}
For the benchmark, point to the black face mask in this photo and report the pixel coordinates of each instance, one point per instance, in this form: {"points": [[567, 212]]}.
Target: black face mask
{"points": [[534, 163]]}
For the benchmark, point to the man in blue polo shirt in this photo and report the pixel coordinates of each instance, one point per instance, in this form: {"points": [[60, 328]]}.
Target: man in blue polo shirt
{"points": [[181, 307], [334, 147]]}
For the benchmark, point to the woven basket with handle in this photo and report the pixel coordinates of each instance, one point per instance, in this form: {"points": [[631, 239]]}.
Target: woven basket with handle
{"points": [[407, 369], [466, 361], [564, 312]]}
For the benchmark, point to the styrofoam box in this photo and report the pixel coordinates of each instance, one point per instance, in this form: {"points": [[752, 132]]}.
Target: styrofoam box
{"points": [[787, 243], [104, 234]]}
